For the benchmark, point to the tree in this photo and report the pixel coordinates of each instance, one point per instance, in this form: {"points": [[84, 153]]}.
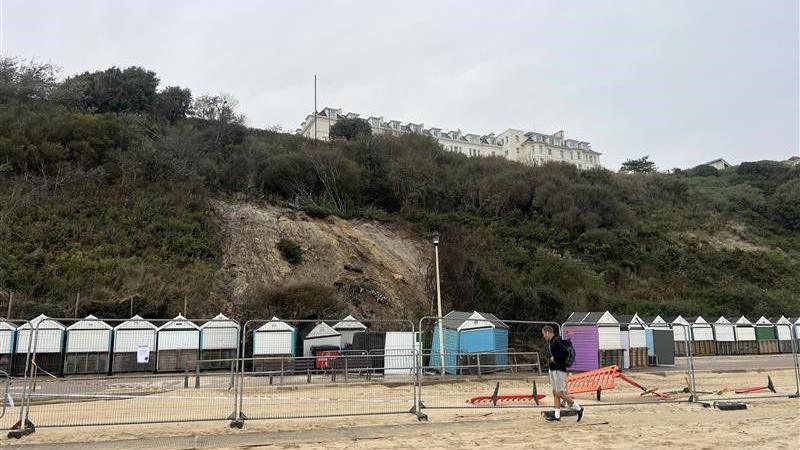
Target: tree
{"points": [[173, 103], [641, 165], [23, 81], [786, 204], [131, 90], [220, 110], [350, 129]]}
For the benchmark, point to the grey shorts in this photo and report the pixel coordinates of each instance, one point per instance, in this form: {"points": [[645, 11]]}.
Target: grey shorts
{"points": [[558, 380]]}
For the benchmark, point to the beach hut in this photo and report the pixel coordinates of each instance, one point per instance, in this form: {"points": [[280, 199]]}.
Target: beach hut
{"points": [[321, 336], [680, 331], [783, 329], [47, 342], [177, 345], [274, 345], [766, 336], [368, 350], [724, 336], [399, 350], [134, 346], [348, 327], [219, 339], [660, 343], [746, 343], [596, 338], [702, 336], [634, 341], [471, 340], [88, 348], [8, 332]]}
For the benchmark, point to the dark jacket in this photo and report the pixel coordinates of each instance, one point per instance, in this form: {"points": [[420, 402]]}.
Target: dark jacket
{"points": [[560, 353]]}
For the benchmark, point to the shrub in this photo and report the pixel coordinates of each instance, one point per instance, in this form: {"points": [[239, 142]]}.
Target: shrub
{"points": [[291, 251]]}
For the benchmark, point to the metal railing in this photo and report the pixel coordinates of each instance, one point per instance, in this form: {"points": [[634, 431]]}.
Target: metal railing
{"points": [[494, 359]]}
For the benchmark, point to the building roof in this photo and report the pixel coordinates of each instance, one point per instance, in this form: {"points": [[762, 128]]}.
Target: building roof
{"points": [[220, 321], [135, 323], [46, 324], [178, 323], [594, 317], [457, 320], [275, 324], [90, 323], [725, 163], [322, 330], [349, 323]]}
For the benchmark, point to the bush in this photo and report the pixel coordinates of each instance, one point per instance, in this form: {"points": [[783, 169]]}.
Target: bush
{"points": [[291, 251]]}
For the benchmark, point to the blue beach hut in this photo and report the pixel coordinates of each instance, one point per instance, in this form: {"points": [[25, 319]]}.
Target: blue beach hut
{"points": [[471, 339]]}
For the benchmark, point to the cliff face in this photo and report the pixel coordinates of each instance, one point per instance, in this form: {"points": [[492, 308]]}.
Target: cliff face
{"points": [[378, 270]]}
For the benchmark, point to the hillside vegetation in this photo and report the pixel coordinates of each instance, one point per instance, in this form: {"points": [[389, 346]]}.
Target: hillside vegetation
{"points": [[107, 184]]}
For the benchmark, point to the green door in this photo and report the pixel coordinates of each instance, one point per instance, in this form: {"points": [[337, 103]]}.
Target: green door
{"points": [[765, 332]]}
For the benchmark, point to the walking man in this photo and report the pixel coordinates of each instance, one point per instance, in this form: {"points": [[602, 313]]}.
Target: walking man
{"points": [[562, 356]]}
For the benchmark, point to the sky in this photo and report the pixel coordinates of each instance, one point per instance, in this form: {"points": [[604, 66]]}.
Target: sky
{"points": [[684, 82]]}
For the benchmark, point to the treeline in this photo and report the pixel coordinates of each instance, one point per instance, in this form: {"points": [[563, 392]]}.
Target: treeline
{"points": [[106, 179]]}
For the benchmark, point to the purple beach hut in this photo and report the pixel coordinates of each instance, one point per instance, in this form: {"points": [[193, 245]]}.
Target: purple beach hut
{"points": [[584, 338]]}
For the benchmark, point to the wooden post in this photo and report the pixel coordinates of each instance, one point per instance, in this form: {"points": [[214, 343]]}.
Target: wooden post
{"points": [[184, 306], [77, 302], [10, 299]]}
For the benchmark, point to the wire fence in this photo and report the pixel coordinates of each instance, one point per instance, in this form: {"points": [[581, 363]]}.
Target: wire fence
{"points": [[60, 372]]}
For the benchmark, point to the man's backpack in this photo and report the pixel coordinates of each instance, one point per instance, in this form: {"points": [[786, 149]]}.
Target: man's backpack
{"points": [[570, 353]]}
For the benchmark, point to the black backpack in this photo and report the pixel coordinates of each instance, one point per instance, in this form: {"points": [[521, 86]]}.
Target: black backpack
{"points": [[570, 353]]}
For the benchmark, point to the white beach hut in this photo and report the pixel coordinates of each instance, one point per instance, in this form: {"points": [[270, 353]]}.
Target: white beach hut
{"points": [[219, 342], [178, 344], [134, 346], [348, 327], [274, 346], [88, 348], [724, 336], [746, 343], [321, 335], [47, 341]]}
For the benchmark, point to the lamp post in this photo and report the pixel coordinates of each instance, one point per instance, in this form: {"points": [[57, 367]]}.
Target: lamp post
{"points": [[439, 301]]}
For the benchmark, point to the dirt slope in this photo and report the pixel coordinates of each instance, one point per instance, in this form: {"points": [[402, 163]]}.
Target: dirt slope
{"points": [[378, 269]]}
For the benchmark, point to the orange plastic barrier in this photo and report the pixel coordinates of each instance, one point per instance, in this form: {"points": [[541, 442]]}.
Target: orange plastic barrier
{"points": [[601, 380]]}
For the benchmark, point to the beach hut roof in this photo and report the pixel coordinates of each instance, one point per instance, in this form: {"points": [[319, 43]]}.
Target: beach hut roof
{"points": [[178, 323], [782, 319], [322, 330], [763, 321], [647, 319], [349, 323], [678, 319], [697, 320], [90, 322], [658, 319], [6, 325], [135, 323], [723, 320], [275, 325], [593, 318], [220, 321], [743, 321], [457, 320], [47, 324]]}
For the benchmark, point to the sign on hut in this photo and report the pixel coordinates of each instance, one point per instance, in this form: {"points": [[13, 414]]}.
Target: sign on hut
{"points": [[134, 346]]}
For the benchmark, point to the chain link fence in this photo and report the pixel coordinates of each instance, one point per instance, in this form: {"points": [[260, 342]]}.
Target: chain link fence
{"points": [[90, 371]]}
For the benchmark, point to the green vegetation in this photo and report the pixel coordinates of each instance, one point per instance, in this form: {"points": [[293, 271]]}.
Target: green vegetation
{"points": [[108, 197], [291, 251], [350, 129]]}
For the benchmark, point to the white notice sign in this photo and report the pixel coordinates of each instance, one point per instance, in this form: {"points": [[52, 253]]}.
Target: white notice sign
{"points": [[143, 354]]}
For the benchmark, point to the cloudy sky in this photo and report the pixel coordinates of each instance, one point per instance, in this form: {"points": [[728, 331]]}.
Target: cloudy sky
{"points": [[682, 81]]}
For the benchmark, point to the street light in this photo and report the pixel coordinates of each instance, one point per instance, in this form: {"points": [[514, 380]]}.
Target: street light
{"points": [[439, 301]]}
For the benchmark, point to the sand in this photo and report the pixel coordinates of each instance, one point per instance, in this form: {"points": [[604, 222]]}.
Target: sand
{"points": [[767, 423]]}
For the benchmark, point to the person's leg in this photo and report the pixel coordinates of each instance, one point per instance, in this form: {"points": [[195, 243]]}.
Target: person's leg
{"points": [[557, 404]]}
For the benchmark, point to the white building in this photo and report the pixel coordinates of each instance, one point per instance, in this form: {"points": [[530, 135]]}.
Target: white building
{"points": [[527, 147]]}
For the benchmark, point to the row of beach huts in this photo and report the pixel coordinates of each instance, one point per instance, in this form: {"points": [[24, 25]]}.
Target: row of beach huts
{"points": [[602, 339], [92, 346]]}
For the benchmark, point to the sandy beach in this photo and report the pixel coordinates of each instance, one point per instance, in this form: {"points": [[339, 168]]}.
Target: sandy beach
{"points": [[767, 423]]}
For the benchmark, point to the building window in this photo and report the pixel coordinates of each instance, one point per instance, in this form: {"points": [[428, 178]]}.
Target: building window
{"points": [[550, 151]]}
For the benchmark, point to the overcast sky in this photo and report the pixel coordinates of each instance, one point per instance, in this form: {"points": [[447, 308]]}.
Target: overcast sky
{"points": [[684, 82]]}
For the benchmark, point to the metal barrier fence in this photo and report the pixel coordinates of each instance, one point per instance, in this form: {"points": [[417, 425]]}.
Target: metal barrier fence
{"points": [[373, 375], [144, 373]]}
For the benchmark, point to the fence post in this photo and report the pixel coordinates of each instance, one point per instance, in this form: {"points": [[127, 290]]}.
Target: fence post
{"points": [[346, 376], [478, 357], [282, 369], [185, 377], [197, 375]]}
